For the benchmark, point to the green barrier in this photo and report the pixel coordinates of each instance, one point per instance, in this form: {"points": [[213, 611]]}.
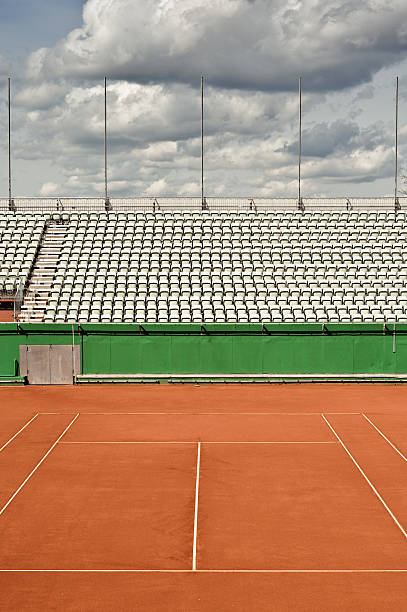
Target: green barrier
{"points": [[218, 349]]}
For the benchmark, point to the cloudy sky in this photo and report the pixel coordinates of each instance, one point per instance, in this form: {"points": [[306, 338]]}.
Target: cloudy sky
{"points": [[251, 52]]}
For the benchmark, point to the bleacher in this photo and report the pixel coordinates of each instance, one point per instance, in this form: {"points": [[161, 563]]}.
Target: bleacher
{"points": [[220, 266], [20, 237]]}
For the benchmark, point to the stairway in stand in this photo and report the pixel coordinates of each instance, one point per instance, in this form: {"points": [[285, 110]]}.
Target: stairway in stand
{"points": [[43, 273]]}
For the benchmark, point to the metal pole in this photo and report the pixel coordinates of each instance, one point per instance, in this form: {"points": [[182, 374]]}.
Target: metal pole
{"points": [[106, 194], [202, 141], [396, 145], [73, 354], [10, 203], [299, 138]]}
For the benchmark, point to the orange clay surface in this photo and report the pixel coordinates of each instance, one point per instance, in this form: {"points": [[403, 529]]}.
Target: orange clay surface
{"points": [[6, 316], [209, 498]]}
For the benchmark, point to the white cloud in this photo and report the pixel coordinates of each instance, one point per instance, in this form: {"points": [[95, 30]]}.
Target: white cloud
{"points": [[251, 52], [50, 189], [254, 44], [157, 188]]}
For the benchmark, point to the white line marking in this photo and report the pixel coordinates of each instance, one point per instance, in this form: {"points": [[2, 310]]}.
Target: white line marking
{"points": [[19, 431], [198, 468], [387, 439], [129, 442], [37, 466], [214, 571], [366, 478], [202, 413], [189, 442]]}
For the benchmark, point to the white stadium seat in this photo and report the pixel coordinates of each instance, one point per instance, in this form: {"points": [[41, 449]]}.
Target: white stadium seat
{"points": [[233, 266]]}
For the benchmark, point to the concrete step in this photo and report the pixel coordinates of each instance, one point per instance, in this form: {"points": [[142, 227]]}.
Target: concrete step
{"points": [[31, 312], [44, 291], [43, 277], [45, 266], [36, 301], [43, 273], [38, 286]]}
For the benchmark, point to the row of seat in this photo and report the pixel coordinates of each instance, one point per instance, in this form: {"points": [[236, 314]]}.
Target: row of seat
{"points": [[203, 266], [20, 237]]}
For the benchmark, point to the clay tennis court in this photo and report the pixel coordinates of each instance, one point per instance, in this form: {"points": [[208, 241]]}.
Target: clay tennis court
{"points": [[184, 498]]}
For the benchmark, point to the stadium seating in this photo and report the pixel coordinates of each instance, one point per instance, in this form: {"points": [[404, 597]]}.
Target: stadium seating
{"points": [[20, 236], [234, 266]]}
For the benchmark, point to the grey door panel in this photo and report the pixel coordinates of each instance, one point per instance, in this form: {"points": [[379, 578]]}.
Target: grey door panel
{"points": [[49, 364]]}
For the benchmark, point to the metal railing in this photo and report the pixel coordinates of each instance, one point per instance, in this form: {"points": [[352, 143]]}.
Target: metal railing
{"points": [[8, 287], [12, 290], [155, 204], [18, 299]]}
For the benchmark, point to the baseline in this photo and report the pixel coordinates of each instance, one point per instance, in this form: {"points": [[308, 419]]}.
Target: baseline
{"points": [[202, 571]]}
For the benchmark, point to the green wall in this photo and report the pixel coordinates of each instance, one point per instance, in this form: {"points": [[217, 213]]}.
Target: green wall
{"points": [[218, 348], [12, 335]]}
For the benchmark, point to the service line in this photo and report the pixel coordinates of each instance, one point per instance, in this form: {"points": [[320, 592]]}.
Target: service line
{"points": [[375, 491], [38, 465], [194, 442], [203, 413], [19, 431]]}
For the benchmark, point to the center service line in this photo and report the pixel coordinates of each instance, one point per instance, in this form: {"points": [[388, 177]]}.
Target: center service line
{"points": [[198, 467]]}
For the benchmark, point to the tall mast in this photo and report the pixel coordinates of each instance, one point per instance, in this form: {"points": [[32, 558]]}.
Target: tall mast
{"points": [[299, 137], [10, 201], [106, 192], [396, 145], [202, 141]]}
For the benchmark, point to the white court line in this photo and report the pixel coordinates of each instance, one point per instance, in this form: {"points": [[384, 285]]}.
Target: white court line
{"points": [[198, 468], [366, 478], [19, 431], [192, 442], [387, 439], [211, 571], [37, 466], [130, 442], [203, 413]]}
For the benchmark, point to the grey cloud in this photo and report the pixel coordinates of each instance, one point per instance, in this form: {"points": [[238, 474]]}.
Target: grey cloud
{"points": [[365, 93], [154, 112], [43, 96], [327, 139], [258, 45]]}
